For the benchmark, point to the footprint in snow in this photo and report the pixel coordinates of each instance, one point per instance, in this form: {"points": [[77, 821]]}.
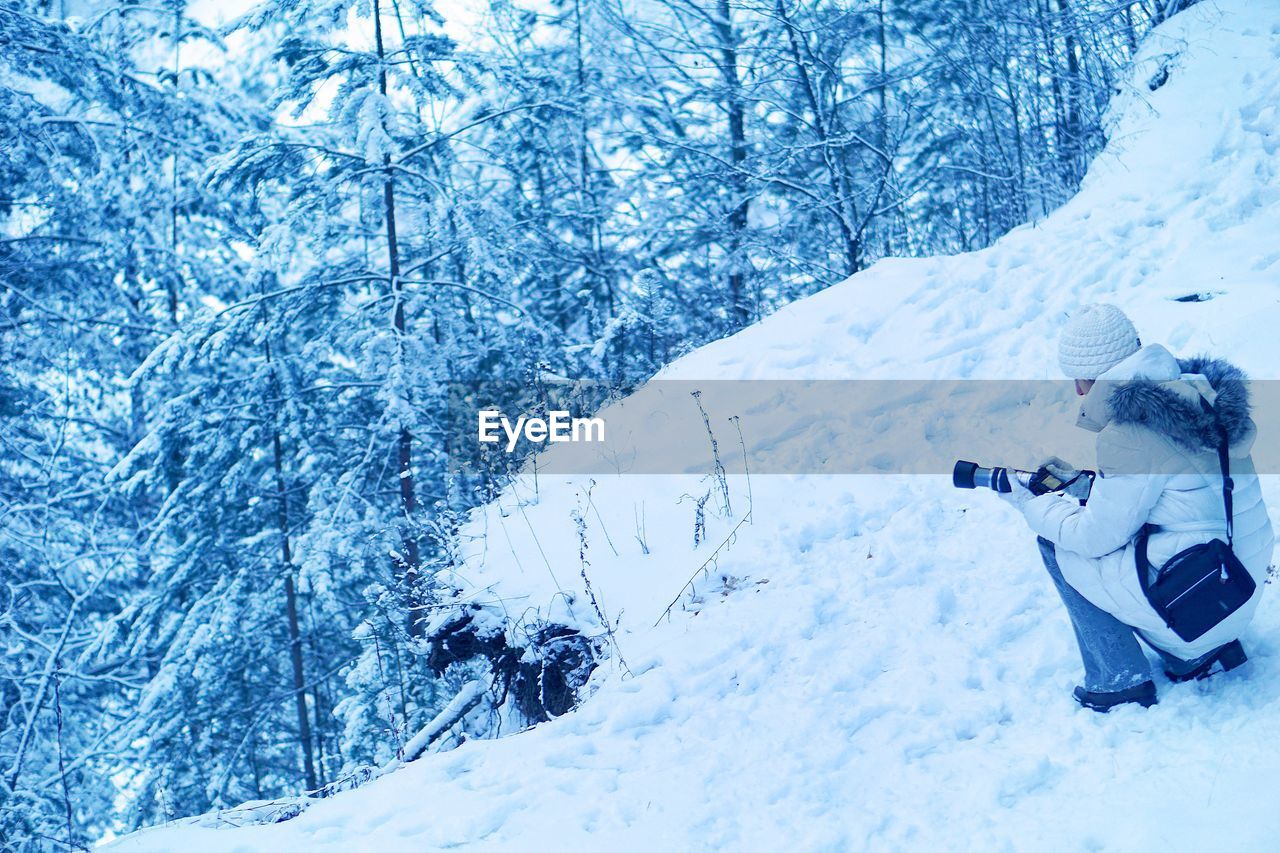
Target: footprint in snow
{"points": [[1017, 785]]}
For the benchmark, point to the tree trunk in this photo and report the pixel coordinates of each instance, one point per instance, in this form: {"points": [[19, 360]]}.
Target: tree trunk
{"points": [[173, 281], [1055, 85], [739, 310], [838, 180], [290, 593], [409, 561], [899, 223], [1015, 117], [320, 703], [590, 204], [1073, 154]]}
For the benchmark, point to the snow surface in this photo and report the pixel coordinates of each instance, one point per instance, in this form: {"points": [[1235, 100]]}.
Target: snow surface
{"points": [[880, 662]]}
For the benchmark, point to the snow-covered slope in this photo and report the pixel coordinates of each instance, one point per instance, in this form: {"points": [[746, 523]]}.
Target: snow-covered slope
{"points": [[880, 662]]}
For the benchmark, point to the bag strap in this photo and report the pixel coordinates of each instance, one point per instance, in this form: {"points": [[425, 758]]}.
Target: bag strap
{"points": [[1228, 485], [1140, 559]]}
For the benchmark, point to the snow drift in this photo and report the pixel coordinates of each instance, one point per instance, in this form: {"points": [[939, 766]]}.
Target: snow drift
{"points": [[880, 662]]}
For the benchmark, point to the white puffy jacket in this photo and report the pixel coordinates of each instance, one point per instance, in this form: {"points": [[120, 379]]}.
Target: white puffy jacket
{"points": [[1157, 457]]}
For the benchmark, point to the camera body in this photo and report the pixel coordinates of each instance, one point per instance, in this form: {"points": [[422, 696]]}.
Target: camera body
{"points": [[971, 475]]}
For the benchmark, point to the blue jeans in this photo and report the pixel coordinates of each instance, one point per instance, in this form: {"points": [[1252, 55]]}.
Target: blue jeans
{"points": [[1113, 659]]}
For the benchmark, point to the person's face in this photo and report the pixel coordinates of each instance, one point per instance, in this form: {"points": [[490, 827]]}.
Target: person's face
{"points": [[1083, 386]]}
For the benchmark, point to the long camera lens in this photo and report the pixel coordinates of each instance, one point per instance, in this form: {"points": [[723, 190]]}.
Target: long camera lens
{"points": [[971, 475]]}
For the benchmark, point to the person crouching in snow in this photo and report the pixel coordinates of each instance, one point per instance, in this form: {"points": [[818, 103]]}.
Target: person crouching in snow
{"points": [[1158, 465]]}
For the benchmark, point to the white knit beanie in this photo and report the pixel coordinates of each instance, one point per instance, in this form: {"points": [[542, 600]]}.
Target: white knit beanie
{"points": [[1096, 339]]}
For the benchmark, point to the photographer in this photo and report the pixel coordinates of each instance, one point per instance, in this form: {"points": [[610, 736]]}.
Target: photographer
{"points": [[1174, 438]]}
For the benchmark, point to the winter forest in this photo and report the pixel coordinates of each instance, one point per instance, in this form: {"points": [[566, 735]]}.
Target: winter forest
{"points": [[249, 250]]}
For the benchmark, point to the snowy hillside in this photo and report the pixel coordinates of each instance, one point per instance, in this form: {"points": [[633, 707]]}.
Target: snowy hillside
{"points": [[881, 662]]}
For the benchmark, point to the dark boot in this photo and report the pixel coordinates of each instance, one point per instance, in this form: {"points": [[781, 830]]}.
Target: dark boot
{"points": [[1143, 694], [1229, 655]]}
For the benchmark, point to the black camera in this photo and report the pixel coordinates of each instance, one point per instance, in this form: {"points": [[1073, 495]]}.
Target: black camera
{"points": [[971, 475]]}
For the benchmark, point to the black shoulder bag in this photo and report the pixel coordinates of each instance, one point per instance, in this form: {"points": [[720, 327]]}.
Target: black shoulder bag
{"points": [[1201, 585]]}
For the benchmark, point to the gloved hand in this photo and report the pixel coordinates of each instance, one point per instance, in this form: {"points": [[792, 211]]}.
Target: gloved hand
{"points": [[1059, 468], [1067, 473], [1018, 497]]}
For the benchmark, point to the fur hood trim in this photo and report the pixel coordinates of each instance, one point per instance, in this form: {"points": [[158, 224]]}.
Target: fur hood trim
{"points": [[1162, 409]]}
